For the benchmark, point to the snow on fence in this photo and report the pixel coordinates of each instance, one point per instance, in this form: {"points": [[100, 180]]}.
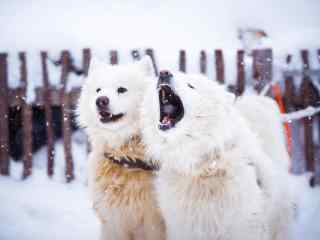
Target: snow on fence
{"points": [[289, 96]]}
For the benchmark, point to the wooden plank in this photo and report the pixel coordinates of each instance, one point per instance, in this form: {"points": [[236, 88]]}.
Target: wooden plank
{"points": [[203, 62], [135, 55], [219, 65], [289, 95], [26, 119], [86, 57], [182, 61], [262, 67], [241, 78], [48, 113], [4, 112], [66, 117], [308, 98], [150, 53], [114, 57], [317, 163]]}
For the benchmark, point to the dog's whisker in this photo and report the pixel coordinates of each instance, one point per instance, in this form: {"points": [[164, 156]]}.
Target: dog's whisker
{"points": [[189, 135], [204, 116]]}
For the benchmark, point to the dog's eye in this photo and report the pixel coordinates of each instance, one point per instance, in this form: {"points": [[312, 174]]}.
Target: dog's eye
{"points": [[121, 90], [190, 86], [98, 90]]}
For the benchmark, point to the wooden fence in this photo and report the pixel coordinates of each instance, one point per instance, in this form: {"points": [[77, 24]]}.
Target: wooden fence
{"points": [[294, 98]]}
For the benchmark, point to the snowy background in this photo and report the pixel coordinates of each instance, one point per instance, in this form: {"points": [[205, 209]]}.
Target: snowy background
{"points": [[42, 208]]}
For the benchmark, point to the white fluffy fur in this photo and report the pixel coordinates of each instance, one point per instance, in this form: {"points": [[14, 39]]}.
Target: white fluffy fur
{"points": [[116, 221], [109, 78], [264, 118], [242, 196]]}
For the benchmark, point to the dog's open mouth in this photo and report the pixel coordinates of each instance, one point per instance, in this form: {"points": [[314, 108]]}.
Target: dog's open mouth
{"points": [[107, 117], [171, 107]]}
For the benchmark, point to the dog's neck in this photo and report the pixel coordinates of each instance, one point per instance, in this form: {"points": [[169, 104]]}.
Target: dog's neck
{"points": [[130, 155], [207, 163], [102, 138]]}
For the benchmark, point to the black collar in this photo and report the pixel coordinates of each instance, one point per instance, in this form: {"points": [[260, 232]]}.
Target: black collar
{"points": [[131, 163]]}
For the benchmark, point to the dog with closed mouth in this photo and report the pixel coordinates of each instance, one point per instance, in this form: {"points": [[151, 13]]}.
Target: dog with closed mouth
{"points": [[120, 176], [215, 181]]}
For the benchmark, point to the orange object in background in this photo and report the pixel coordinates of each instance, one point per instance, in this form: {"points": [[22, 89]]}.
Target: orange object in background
{"points": [[276, 90]]}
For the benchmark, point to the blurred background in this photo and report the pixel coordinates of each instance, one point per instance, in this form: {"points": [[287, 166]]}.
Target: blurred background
{"points": [[252, 46]]}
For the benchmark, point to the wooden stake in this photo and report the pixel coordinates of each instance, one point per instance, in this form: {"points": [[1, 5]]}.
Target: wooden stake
{"points": [[203, 62], [4, 113], [308, 99], [48, 113], [113, 57], [240, 87], [135, 55], [86, 57], [219, 66], [182, 61], [26, 119], [262, 68], [66, 117]]}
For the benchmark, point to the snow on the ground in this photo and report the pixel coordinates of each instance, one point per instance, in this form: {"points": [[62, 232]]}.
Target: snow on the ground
{"points": [[42, 208], [307, 225]]}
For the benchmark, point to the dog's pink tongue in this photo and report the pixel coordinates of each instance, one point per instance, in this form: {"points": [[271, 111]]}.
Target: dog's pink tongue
{"points": [[166, 120]]}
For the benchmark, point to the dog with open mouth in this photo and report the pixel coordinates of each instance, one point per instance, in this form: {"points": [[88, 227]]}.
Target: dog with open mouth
{"points": [[120, 175], [215, 181]]}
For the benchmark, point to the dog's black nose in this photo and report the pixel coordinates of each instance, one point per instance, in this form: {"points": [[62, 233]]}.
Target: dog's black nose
{"points": [[164, 78], [165, 74], [102, 102]]}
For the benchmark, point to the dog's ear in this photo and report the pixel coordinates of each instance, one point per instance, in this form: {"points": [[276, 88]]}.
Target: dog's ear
{"points": [[146, 66]]}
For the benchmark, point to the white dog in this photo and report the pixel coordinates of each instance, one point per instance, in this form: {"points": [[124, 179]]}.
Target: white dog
{"points": [[120, 177], [216, 182], [264, 118]]}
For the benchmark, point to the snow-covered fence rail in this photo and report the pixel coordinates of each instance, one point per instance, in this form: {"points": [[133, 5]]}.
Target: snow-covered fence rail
{"points": [[257, 72]]}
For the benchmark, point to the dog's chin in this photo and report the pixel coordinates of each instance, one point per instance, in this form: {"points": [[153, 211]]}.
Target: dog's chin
{"points": [[108, 120]]}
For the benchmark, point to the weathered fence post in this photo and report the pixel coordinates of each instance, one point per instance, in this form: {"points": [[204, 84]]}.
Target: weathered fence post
{"points": [[203, 62], [66, 116], [86, 57], [48, 113], [26, 118], [240, 85], [149, 52], [308, 99], [262, 68], [219, 66], [4, 113], [317, 167], [135, 55], [182, 61], [289, 95], [114, 57]]}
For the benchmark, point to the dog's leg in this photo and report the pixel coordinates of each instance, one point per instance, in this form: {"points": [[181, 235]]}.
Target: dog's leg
{"points": [[112, 232], [154, 227]]}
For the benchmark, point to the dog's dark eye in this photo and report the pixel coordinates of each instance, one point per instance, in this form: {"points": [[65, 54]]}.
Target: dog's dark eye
{"points": [[98, 90], [190, 86], [121, 90]]}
